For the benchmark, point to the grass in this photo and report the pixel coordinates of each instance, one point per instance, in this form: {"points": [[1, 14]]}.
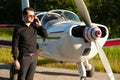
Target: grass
{"points": [[113, 54], [6, 56], [5, 33]]}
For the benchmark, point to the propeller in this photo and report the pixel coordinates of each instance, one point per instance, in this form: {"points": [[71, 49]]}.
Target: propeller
{"points": [[104, 61], [85, 15], [83, 11]]}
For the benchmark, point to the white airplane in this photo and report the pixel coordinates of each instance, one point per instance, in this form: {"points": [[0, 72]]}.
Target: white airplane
{"points": [[70, 40]]}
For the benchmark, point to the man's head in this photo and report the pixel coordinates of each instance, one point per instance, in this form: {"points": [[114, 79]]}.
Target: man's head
{"points": [[28, 15]]}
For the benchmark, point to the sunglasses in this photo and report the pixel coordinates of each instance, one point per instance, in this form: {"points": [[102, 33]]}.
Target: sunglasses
{"points": [[32, 16]]}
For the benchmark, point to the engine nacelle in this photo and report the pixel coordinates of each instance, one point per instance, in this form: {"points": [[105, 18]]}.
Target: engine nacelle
{"points": [[90, 33]]}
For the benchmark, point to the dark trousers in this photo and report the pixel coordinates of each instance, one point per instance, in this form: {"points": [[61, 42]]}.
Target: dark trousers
{"points": [[28, 65]]}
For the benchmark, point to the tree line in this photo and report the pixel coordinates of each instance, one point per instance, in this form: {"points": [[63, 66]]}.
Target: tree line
{"points": [[101, 11]]}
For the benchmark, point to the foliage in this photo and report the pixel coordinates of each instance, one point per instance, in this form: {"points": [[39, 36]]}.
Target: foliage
{"points": [[107, 13], [45, 5], [10, 11], [101, 11]]}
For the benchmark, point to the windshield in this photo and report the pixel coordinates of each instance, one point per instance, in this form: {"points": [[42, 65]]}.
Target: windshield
{"points": [[55, 16], [50, 17], [68, 15]]}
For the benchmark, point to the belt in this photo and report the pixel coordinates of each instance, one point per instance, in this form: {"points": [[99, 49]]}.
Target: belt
{"points": [[30, 54]]}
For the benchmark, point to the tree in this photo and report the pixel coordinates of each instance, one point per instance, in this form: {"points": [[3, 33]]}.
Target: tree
{"points": [[10, 11], [101, 11], [107, 13], [45, 5], [2, 11]]}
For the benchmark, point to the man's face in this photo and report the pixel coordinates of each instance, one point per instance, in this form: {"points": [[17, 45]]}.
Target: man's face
{"points": [[30, 16]]}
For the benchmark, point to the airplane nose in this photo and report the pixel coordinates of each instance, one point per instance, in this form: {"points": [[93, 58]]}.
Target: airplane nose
{"points": [[91, 33], [98, 33]]}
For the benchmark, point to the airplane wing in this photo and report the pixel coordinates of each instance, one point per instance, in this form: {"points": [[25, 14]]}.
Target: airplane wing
{"points": [[5, 43], [109, 42], [112, 42], [8, 25]]}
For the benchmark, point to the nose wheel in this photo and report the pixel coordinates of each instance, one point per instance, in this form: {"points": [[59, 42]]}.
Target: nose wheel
{"points": [[90, 73], [85, 70], [83, 78]]}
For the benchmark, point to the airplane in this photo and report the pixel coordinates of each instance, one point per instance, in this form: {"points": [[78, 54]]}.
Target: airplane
{"points": [[72, 40]]}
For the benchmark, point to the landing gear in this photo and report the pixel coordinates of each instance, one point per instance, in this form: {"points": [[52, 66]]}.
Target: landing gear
{"points": [[90, 73], [85, 70], [83, 78], [89, 69]]}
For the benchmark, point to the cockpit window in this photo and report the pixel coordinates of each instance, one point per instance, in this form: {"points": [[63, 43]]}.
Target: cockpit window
{"points": [[55, 16], [40, 16], [59, 12], [71, 16], [50, 17], [68, 15]]}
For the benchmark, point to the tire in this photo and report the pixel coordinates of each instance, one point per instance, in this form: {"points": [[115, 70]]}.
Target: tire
{"points": [[90, 73]]}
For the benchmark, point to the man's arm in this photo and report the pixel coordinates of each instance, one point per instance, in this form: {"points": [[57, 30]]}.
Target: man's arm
{"points": [[42, 32], [40, 29], [15, 40]]}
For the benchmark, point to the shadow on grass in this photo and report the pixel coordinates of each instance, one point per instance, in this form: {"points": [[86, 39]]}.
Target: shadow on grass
{"points": [[45, 61], [5, 66], [56, 73]]}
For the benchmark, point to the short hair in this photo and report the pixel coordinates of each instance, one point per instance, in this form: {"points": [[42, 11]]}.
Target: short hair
{"points": [[26, 9]]}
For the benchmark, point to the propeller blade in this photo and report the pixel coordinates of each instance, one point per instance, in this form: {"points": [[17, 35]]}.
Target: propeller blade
{"points": [[83, 11], [104, 61]]}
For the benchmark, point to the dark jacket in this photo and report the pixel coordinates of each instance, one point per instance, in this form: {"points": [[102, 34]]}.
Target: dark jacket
{"points": [[24, 39]]}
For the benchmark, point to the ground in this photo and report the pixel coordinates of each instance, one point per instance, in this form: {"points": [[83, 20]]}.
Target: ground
{"points": [[45, 73]]}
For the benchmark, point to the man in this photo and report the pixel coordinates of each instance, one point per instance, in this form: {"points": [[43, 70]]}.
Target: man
{"points": [[24, 40]]}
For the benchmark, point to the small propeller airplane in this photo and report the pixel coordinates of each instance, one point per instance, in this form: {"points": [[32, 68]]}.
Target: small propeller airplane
{"points": [[71, 40]]}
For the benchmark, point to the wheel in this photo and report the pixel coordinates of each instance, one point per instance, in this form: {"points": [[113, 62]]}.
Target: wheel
{"points": [[90, 73], [83, 78]]}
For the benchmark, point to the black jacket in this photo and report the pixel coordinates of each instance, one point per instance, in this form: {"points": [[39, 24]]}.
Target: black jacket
{"points": [[24, 39]]}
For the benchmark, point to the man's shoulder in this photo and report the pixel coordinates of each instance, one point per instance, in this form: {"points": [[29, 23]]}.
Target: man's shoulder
{"points": [[19, 28], [21, 25]]}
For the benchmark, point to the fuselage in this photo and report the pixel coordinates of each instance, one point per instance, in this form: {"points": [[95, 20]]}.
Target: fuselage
{"points": [[66, 40]]}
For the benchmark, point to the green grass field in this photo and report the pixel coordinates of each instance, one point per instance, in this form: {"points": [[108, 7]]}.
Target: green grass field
{"points": [[113, 54]]}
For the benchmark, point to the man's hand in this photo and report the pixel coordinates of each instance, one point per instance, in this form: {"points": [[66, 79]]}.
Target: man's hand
{"points": [[17, 65], [37, 21]]}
